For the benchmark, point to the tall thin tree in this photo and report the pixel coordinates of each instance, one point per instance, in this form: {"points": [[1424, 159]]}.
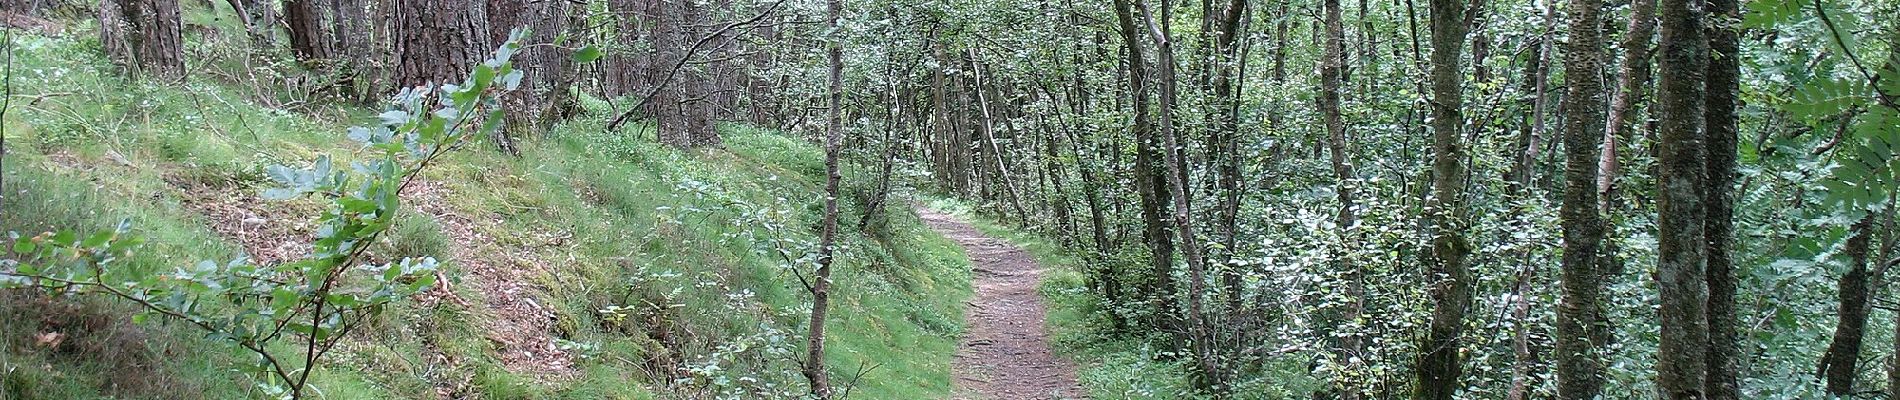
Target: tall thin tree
{"points": [[828, 235], [1448, 274], [1681, 278], [1580, 319]]}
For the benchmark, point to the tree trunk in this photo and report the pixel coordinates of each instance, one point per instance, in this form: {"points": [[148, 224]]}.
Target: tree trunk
{"points": [[1206, 371], [1682, 284], [1154, 196], [146, 35], [309, 38], [1632, 82], [1227, 141], [436, 41], [1722, 134], [827, 239], [1449, 275], [1581, 324], [1839, 365], [1332, 59]]}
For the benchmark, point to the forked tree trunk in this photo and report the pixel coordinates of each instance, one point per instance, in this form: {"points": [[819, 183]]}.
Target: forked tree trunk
{"points": [[1206, 370], [1154, 195]]}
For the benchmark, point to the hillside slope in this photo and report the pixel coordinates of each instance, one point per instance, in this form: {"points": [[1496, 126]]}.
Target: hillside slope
{"points": [[595, 265]]}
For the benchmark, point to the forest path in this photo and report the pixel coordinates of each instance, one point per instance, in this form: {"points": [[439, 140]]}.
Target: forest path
{"points": [[1004, 353]]}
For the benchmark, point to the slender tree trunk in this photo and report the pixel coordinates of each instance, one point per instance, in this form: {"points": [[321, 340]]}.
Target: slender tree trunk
{"points": [[1839, 365], [1227, 117], [1722, 131], [1632, 82], [989, 135], [828, 236], [1450, 277], [1523, 173], [1681, 278], [1207, 372], [1331, 61], [1154, 196], [1581, 324]]}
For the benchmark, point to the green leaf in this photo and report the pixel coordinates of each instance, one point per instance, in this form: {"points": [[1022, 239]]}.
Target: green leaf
{"points": [[587, 54]]}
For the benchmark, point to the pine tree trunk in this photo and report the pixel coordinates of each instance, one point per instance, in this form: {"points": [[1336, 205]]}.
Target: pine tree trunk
{"points": [[436, 41], [309, 39], [145, 35], [1682, 284], [1581, 324]]}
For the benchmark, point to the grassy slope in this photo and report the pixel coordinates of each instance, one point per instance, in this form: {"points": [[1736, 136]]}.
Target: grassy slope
{"points": [[679, 243]]}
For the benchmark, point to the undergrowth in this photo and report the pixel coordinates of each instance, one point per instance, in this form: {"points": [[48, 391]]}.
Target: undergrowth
{"points": [[668, 273]]}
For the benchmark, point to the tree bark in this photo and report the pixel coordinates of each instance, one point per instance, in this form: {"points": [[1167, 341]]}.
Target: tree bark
{"points": [[1632, 82], [1682, 284], [1722, 131], [436, 41], [1206, 370], [150, 41], [1155, 232], [309, 38], [827, 238], [1581, 324], [1839, 365], [1332, 60], [1448, 274]]}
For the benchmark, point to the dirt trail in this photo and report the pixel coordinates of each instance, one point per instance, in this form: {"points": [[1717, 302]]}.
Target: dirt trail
{"points": [[1005, 352]]}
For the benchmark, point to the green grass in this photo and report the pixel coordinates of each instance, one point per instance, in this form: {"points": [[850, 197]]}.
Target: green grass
{"points": [[681, 246]]}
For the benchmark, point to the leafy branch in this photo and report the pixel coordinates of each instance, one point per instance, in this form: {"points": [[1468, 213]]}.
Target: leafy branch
{"points": [[319, 299]]}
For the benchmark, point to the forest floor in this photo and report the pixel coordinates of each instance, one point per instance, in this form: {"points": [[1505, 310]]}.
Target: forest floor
{"points": [[1005, 352]]}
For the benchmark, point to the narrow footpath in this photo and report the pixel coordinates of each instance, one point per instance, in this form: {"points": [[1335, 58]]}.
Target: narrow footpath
{"points": [[1005, 353]]}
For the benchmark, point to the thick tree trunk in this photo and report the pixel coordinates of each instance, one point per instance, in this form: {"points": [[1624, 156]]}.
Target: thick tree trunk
{"points": [[145, 35], [1449, 276], [1581, 325], [828, 236], [436, 41], [309, 36], [1681, 278]]}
